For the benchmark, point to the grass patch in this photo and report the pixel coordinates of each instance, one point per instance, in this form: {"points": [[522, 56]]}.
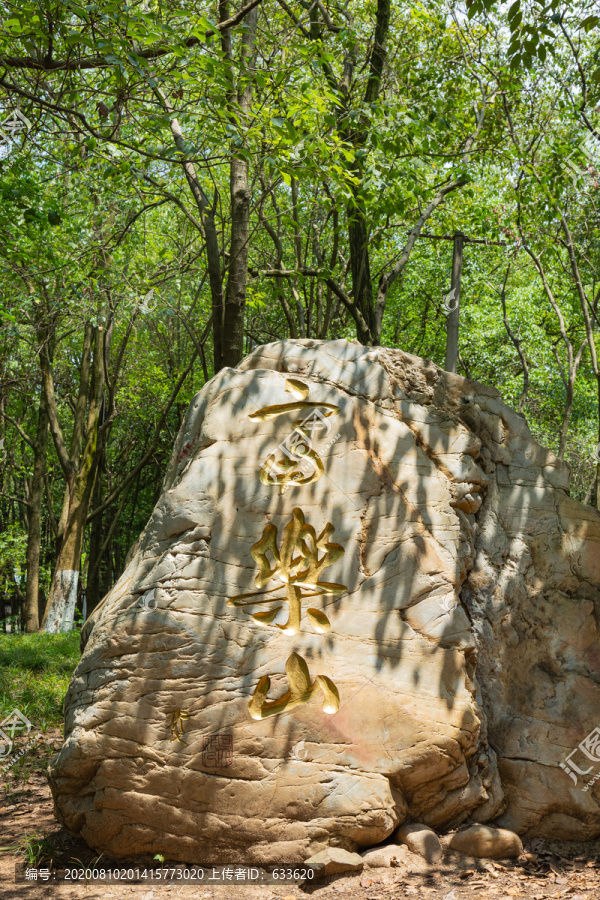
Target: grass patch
{"points": [[35, 848], [35, 670]]}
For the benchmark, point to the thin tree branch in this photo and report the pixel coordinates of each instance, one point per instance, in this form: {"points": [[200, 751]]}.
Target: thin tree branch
{"points": [[153, 445], [19, 429], [47, 64]]}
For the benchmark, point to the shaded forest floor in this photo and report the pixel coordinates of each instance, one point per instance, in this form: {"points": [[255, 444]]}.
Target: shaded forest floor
{"points": [[30, 834]]}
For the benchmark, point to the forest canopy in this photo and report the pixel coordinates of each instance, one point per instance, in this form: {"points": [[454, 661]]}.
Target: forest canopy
{"points": [[182, 182]]}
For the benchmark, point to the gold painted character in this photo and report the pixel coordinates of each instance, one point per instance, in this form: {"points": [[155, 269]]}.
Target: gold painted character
{"points": [[300, 691], [176, 724], [300, 463], [297, 566]]}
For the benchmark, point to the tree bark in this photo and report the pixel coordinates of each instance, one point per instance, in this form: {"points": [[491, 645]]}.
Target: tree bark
{"points": [[358, 230], [31, 614], [453, 318], [235, 294], [93, 589], [569, 383], [60, 608], [360, 267]]}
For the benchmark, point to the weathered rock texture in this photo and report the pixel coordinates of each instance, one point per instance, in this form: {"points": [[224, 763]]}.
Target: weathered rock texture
{"points": [[487, 842], [387, 856], [463, 639], [422, 840], [334, 860]]}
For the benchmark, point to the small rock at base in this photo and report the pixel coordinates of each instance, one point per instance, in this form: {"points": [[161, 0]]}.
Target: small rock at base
{"points": [[487, 842], [420, 839], [390, 855], [333, 861]]}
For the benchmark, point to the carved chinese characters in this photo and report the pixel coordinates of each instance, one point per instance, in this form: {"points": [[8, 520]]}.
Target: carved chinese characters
{"points": [[176, 721], [300, 691], [295, 565], [300, 463]]}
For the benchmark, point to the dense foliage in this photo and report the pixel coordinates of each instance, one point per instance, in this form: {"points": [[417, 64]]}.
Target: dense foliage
{"points": [[186, 181]]}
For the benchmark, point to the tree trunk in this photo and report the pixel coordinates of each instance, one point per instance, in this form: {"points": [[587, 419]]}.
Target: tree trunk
{"points": [[362, 285], [60, 609], [240, 104], [30, 612], [235, 294], [368, 326], [93, 589], [453, 319], [566, 421], [63, 592]]}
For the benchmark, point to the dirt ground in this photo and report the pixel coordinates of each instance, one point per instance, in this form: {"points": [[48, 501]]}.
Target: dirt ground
{"points": [[566, 869]]}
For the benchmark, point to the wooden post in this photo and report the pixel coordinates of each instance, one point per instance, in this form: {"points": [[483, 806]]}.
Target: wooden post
{"points": [[453, 318]]}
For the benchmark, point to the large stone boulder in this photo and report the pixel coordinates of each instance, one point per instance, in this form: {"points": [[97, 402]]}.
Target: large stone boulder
{"points": [[364, 597]]}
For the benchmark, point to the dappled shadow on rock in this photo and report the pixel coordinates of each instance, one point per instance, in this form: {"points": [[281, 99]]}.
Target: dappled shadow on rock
{"points": [[462, 642], [548, 869]]}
